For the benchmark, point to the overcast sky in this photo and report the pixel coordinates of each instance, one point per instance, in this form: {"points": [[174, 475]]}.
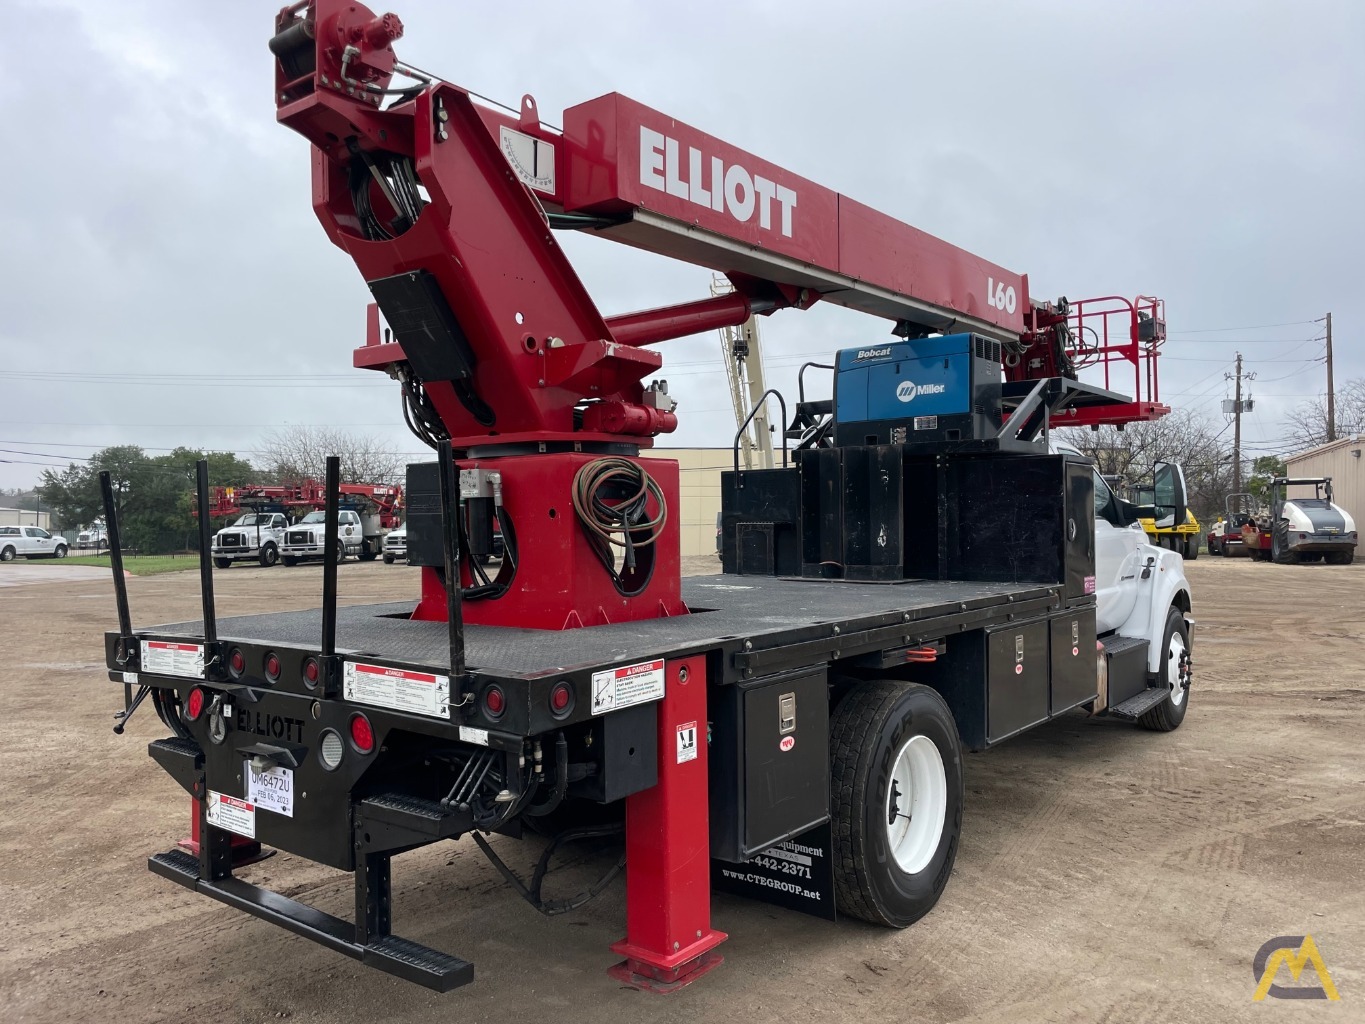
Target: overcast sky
{"points": [[163, 280]]}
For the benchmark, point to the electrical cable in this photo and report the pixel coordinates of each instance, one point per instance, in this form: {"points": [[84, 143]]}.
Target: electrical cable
{"points": [[532, 893], [611, 498]]}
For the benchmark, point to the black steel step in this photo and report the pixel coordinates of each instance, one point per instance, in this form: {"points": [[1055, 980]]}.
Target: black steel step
{"points": [[1118, 644], [415, 814], [1137, 706], [182, 759], [400, 957]]}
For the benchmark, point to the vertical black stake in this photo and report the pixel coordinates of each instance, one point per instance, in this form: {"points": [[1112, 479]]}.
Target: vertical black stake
{"points": [[125, 619], [201, 482], [329, 561], [450, 544]]}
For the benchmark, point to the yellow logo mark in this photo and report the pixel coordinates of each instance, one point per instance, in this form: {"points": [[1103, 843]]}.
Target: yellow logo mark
{"points": [[1296, 952]]}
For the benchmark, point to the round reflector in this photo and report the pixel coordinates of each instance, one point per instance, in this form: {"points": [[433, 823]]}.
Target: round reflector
{"points": [[561, 699], [310, 672], [494, 702], [272, 665], [237, 662], [194, 704], [362, 735], [331, 749]]}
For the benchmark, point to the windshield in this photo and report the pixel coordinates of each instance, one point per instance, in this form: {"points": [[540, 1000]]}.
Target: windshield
{"points": [[314, 517], [253, 520]]}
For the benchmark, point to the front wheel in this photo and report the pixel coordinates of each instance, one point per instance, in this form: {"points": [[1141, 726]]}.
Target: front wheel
{"points": [[1177, 672], [60, 552], [341, 552], [388, 559], [895, 800], [222, 563], [269, 555], [289, 561], [1339, 557], [1279, 546]]}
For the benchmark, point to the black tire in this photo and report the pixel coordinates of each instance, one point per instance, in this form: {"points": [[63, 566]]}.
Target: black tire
{"points": [[1191, 551], [1169, 714], [222, 563], [7, 554], [341, 552], [269, 555], [1279, 545], [60, 552], [870, 726], [1339, 557], [289, 561], [388, 559]]}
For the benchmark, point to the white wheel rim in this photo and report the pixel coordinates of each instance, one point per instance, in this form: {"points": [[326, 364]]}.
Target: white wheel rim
{"points": [[1175, 668], [916, 804]]}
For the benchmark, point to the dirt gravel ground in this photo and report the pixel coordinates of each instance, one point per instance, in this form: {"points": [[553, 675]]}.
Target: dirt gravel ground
{"points": [[1105, 873]]}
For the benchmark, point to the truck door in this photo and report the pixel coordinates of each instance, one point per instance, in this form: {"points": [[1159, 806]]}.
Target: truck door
{"points": [[1116, 560]]}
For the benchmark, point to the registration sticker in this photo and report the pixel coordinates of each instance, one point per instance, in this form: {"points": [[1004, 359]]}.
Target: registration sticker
{"points": [[270, 790], [616, 688], [421, 693], [167, 659], [232, 813]]}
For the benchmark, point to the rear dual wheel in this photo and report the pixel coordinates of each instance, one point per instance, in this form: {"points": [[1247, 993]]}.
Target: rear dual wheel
{"points": [[896, 800]]}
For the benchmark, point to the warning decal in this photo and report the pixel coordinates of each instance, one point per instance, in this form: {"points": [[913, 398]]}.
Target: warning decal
{"points": [[167, 659], [616, 688], [420, 693], [687, 742], [231, 813]]}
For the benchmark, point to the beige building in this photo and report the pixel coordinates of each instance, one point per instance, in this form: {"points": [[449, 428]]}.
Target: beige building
{"points": [[699, 483], [26, 517], [1341, 460]]}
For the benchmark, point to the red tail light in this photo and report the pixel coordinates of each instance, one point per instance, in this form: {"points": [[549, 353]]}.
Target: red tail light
{"points": [[362, 734], [311, 672], [494, 702], [272, 666], [194, 704], [561, 699], [237, 662]]}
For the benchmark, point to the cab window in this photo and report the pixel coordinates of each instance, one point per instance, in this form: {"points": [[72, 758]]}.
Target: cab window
{"points": [[1106, 506]]}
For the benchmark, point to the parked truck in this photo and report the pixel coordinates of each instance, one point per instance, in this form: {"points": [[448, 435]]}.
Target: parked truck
{"points": [[254, 537], [926, 573]]}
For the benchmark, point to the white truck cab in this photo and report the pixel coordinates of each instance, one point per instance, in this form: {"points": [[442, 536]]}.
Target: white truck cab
{"points": [[256, 537], [306, 538], [1141, 592]]}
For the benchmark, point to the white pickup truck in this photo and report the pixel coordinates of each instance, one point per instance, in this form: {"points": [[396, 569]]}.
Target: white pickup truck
{"points": [[255, 537], [359, 535], [31, 542]]}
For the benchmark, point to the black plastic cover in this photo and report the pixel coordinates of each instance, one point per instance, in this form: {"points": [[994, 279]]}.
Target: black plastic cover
{"points": [[423, 324]]}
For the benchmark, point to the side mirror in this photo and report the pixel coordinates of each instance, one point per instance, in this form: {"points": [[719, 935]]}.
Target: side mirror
{"points": [[1168, 497]]}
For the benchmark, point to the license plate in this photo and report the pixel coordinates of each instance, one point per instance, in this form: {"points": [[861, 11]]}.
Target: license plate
{"points": [[271, 790]]}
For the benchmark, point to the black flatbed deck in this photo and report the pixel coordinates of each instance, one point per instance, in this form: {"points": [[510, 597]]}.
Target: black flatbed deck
{"points": [[754, 618]]}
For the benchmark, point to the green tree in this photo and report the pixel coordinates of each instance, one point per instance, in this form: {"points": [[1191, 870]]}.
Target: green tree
{"points": [[153, 495], [1263, 470]]}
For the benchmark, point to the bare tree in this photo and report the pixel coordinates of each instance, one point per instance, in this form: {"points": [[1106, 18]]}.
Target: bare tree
{"points": [[297, 453], [1184, 437], [1308, 421]]}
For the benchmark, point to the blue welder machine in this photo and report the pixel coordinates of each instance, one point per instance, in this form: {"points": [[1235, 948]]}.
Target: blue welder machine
{"points": [[941, 389]]}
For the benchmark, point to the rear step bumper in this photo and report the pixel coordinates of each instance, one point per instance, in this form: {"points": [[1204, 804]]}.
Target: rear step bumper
{"points": [[407, 960]]}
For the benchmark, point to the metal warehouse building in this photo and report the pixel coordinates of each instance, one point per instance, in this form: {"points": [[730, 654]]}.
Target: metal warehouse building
{"points": [[1341, 460]]}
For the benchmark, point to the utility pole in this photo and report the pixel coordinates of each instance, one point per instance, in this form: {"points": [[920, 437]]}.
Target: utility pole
{"points": [[1237, 431], [1238, 407], [1331, 391]]}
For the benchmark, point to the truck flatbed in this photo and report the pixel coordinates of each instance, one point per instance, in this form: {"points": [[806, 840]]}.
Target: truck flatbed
{"points": [[768, 614]]}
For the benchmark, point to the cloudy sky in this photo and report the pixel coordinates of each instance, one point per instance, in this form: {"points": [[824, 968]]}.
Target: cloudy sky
{"points": [[163, 280]]}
